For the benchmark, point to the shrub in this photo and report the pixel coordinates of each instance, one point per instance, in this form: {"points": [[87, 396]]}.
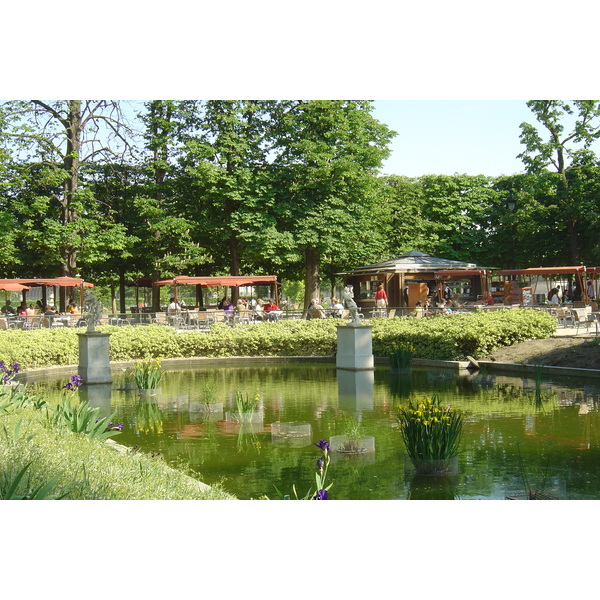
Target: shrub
{"points": [[449, 337]]}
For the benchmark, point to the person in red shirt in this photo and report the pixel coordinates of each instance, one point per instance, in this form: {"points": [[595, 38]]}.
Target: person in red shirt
{"points": [[381, 297], [489, 300], [271, 310]]}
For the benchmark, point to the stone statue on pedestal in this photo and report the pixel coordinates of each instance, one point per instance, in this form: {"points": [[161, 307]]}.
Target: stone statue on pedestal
{"points": [[348, 297], [93, 309]]}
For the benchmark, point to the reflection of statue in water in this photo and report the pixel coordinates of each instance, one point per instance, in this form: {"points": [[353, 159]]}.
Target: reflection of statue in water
{"points": [[93, 309], [348, 297]]}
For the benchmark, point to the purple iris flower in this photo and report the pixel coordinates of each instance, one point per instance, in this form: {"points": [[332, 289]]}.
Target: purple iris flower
{"points": [[320, 464], [321, 495], [323, 445], [74, 383], [15, 367]]}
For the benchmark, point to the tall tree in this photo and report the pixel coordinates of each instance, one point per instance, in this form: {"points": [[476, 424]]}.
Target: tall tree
{"points": [[64, 136], [165, 233], [325, 180], [224, 174], [564, 150]]}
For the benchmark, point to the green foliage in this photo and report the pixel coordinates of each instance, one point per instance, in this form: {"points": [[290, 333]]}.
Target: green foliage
{"points": [[448, 337], [246, 404], [82, 419], [456, 336], [431, 433], [10, 485], [401, 356], [147, 374], [86, 468]]}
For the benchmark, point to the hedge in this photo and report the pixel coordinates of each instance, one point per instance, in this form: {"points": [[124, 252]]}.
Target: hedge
{"points": [[448, 337]]}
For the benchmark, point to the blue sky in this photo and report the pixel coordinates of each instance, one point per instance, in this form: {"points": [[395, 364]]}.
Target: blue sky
{"points": [[444, 137]]}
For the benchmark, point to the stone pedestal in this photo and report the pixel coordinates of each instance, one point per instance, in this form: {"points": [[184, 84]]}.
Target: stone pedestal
{"points": [[94, 363], [354, 347]]}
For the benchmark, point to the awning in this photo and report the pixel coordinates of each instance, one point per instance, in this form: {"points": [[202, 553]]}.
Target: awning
{"points": [[60, 281], [10, 285], [460, 273], [224, 281], [543, 270]]}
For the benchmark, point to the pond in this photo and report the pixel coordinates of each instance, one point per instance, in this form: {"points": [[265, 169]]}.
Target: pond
{"points": [[514, 438]]}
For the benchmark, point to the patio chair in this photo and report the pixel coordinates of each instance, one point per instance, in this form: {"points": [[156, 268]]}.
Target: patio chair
{"points": [[564, 316], [581, 320], [242, 317]]}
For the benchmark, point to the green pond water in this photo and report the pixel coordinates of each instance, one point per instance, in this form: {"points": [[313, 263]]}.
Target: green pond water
{"points": [[513, 438]]}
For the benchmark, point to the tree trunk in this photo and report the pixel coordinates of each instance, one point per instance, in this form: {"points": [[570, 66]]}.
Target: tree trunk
{"points": [[71, 164], [312, 283], [122, 307], [563, 192], [234, 266]]}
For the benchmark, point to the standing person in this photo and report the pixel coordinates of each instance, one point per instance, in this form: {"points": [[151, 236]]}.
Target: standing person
{"points": [[381, 299], [590, 291]]}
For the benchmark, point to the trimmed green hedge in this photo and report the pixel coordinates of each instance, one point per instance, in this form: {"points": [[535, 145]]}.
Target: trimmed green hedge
{"points": [[449, 337]]}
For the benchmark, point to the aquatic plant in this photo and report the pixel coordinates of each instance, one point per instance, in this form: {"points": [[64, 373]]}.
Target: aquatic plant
{"points": [[354, 432], [401, 355], [209, 393], [246, 404], [431, 434], [322, 489], [148, 374], [530, 492]]}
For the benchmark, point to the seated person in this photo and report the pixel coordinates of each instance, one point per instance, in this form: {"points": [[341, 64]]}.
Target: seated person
{"points": [[271, 310], [258, 309], [337, 308], [228, 308], [174, 307], [315, 310], [8, 308], [30, 310], [419, 310], [22, 309]]}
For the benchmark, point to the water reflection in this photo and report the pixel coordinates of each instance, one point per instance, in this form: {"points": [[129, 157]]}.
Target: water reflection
{"points": [[432, 487], [564, 418], [355, 389], [98, 395]]}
